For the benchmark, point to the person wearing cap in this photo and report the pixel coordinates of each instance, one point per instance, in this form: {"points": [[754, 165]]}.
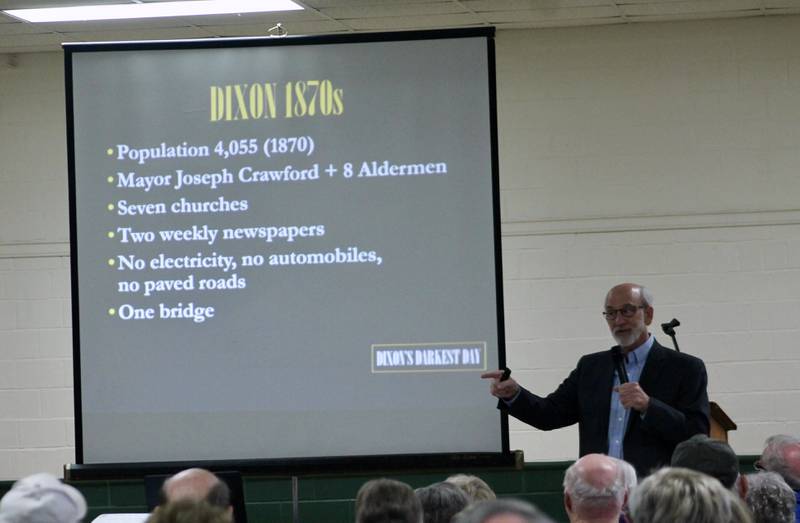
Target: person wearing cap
{"points": [[42, 498], [712, 457]]}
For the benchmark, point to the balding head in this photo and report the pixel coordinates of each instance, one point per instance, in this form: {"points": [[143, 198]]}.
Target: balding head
{"points": [[594, 489], [638, 293], [628, 311], [196, 485]]}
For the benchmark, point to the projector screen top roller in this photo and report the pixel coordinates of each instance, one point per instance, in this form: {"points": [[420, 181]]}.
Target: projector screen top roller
{"points": [[284, 249]]}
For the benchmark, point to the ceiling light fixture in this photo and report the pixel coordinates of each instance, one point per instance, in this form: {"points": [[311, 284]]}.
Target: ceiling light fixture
{"points": [[151, 10]]}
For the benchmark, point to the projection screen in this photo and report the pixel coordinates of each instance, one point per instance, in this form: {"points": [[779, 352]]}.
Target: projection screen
{"points": [[284, 248]]}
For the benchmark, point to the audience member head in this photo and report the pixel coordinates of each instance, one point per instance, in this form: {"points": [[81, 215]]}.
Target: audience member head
{"points": [[474, 487], [387, 501], [629, 473], [42, 498], [770, 498], [501, 511], [709, 456], [782, 455], [187, 510], [594, 489], [441, 501], [197, 485], [677, 494]]}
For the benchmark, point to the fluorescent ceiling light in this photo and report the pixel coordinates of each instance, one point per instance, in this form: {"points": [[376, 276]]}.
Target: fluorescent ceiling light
{"points": [[151, 10]]}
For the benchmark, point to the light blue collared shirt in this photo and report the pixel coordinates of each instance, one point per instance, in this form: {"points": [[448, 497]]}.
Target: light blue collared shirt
{"points": [[618, 416]]}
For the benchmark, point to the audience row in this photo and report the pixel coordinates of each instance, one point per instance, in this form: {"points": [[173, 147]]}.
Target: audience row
{"points": [[702, 485]]}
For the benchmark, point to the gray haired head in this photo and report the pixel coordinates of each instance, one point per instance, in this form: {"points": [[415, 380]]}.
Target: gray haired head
{"points": [[482, 511], [678, 494], [441, 501], [782, 455], [770, 498], [475, 488], [629, 473]]}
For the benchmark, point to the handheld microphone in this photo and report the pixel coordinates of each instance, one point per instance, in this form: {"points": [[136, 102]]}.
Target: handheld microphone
{"points": [[669, 328], [619, 365]]}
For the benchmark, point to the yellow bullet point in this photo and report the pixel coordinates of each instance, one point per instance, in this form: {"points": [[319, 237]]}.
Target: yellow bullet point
{"points": [[111, 234], [111, 261], [112, 312], [109, 151], [110, 179], [110, 207]]}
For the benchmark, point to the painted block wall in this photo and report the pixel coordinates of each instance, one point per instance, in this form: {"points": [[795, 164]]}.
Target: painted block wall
{"points": [[666, 154], [36, 412]]}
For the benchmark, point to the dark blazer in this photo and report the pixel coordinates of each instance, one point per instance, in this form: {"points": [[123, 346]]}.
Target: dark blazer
{"points": [[676, 383]]}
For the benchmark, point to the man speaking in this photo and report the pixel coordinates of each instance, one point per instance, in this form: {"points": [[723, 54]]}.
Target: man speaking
{"points": [[635, 402]]}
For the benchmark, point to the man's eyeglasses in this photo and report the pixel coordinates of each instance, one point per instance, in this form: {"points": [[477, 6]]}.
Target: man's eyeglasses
{"points": [[627, 311]]}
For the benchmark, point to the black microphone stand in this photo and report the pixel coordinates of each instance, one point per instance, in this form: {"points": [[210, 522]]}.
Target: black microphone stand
{"points": [[669, 330]]}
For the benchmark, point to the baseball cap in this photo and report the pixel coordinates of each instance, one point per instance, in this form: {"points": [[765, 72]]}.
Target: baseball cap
{"points": [[709, 456], [42, 498]]}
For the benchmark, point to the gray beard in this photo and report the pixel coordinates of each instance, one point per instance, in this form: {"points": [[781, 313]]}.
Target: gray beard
{"points": [[626, 340]]}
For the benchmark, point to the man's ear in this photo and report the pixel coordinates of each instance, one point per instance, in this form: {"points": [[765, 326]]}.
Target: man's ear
{"points": [[742, 486], [567, 502], [648, 315]]}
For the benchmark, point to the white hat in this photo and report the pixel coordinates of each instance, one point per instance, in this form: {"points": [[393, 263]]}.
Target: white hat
{"points": [[42, 498]]}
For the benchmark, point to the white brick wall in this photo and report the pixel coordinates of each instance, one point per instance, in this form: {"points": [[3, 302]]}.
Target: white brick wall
{"points": [[36, 416], [664, 153]]}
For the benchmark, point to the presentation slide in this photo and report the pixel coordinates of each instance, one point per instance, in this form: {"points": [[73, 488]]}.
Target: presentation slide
{"points": [[283, 249]]}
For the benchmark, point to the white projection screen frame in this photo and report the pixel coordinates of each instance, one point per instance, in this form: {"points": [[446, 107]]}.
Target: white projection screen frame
{"points": [[285, 252]]}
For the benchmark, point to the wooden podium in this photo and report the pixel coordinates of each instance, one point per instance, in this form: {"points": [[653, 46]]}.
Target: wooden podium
{"points": [[720, 423]]}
